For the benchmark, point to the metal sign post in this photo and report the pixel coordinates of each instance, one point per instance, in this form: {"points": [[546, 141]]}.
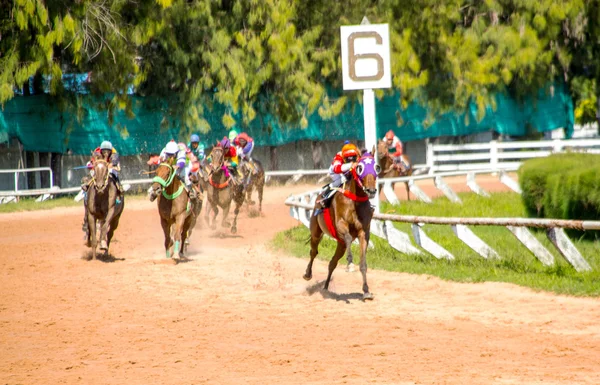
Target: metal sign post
{"points": [[366, 66]]}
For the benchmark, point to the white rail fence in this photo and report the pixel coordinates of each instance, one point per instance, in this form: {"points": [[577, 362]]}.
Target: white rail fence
{"points": [[48, 193], [496, 156], [301, 208], [499, 155]]}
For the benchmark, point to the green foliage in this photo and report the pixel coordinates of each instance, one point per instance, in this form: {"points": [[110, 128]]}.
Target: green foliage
{"points": [[517, 265], [563, 186], [278, 56]]}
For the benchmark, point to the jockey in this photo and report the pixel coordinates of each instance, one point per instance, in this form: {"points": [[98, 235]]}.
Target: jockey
{"points": [[395, 149], [343, 162], [245, 146], [196, 147], [107, 152], [182, 159], [231, 158], [232, 135]]}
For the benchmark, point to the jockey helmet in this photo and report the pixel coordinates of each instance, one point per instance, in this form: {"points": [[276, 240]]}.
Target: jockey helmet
{"points": [[106, 145], [225, 143], [194, 139], [232, 135], [349, 151], [390, 135], [171, 148]]}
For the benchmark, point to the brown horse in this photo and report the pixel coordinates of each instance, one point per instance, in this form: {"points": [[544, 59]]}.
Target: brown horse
{"points": [[221, 190], [254, 177], [103, 204], [177, 214], [350, 216], [391, 170]]}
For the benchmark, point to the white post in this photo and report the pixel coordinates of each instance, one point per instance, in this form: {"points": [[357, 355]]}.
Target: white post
{"points": [[494, 155], [366, 66], [370, 131], [430, 156]]}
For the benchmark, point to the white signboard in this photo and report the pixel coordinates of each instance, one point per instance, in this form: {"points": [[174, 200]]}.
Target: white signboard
{"points": [[366, 56]]}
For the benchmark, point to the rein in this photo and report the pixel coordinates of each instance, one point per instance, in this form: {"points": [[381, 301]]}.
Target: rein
{"points": [[218, 186], [351, 195], [105, 179], [168, 182]]}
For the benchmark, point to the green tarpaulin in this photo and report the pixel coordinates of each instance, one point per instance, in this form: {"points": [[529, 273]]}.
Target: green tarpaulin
{"points": [[40, 126]]}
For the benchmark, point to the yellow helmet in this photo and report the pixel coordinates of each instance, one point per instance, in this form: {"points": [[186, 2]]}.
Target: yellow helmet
{"points": [[349, 150]]}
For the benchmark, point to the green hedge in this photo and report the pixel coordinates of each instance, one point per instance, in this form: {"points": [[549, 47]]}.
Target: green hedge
{"points": [[562, 186]]}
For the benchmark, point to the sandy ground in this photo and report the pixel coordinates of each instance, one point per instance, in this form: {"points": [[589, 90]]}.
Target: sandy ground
{"points": [[240, 313]]}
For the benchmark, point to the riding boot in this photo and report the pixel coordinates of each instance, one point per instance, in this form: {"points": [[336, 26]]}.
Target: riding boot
{"points": [[325, 195], [85, 183], [252, 168], [192, 193], [118, 183]]}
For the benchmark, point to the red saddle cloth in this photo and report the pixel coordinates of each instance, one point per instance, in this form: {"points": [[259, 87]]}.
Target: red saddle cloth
{"points": [[330, 225]]}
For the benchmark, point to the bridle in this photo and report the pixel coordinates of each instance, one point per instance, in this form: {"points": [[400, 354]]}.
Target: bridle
{"points": [[105, 182], [166, 183]]}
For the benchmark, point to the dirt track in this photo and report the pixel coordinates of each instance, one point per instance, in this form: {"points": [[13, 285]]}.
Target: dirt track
{"points": [[239, 313]]}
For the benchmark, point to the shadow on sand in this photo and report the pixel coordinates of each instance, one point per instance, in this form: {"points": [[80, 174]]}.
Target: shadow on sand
{"points": [[319, 287], [106, 258]]}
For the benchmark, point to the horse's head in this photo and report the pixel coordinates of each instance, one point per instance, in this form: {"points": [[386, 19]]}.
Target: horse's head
{"points": [[382, 149], [164, 177], [366, 173], [216, 157], [101, 172]]}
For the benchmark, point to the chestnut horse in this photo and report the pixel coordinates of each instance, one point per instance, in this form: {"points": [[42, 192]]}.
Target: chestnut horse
{"points": [[177, 214], [347, 218], [253, 179], [104, 205], [221, 190], [388, 168]]}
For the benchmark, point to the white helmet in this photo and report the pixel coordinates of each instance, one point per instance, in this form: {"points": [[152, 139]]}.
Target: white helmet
{"points": [[106, 145], [171, 148]]}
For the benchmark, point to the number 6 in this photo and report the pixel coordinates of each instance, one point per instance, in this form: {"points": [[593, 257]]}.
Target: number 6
{"points": [[353, 58]]}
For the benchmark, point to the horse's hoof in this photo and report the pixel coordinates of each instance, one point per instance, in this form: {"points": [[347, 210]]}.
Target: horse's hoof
{"points": [[103, 246], [251, 203], [307, 277], [233, 230], [350, 268], [367, 297]]}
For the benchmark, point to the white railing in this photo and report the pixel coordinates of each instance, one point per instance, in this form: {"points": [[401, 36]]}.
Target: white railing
{"points": [[499, 155], [18, 171], [301, 208]]}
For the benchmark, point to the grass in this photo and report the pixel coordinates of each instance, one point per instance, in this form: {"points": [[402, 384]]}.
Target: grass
{"points": [[29, 204], [517, 264]]}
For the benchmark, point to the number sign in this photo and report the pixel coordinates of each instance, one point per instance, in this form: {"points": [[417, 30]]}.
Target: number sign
{"points": [[366, 56]]}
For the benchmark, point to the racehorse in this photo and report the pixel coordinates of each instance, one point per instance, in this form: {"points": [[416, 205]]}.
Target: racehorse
{"points": [[391, 170], [221, 190], [103, 204], [177, 213], [347, 218], [254, 176]]}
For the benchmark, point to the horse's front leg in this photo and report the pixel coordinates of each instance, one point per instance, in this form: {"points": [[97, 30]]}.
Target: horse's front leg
{"points": [[363, 239], [166, 226], [347, 237], [92, 229], [316, 234], [179, 222], [105, 229], [224, 221]]}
